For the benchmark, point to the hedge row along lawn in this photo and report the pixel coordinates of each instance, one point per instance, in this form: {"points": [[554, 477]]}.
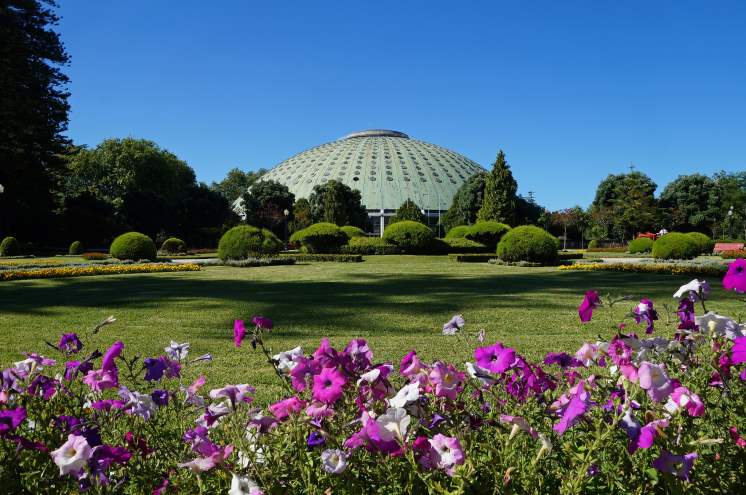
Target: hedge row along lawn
{"points": [[85, 271]]}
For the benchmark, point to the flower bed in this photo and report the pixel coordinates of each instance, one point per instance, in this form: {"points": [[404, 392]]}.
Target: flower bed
{"points": [[98, 269], [248, 262], [731, 255], [339, 258], [626, 414], [675, 268]]}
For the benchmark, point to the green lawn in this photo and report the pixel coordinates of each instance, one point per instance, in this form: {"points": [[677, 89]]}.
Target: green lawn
{"points": [[396, 302]]}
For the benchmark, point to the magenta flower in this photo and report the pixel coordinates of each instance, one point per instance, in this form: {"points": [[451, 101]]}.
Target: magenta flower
{"points": [[653, 379], [738, 351], [683, 398], [103, 456], [735, 278], [284, 408], [107, 404], [738, 439], [10, 419], [686, 315], [100, 380], [410, 364], [328, 385], [448, 381], [215, 457], [359, 354], [587, 353], [446, 453], [234, 393], [454, 325], [495, 358], [326, 355], [590, 302], [577, 406], [647, 435], [239, 332], [303, 371], [645, 312], [562, 359], [70, 343], [107, 362], [620, 352], [262, 322], [679, 465]]}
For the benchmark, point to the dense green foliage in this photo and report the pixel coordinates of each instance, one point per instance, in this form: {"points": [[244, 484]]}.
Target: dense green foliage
{"points": [[173, 245], [133, 246], [76, 248], [409, 211], [265, 203], [245, 241], [499, 201], [411, 237], [691, 202], [640, 245], [10, 247], [462, 245], [236, 182], [624, 206], [302, 217], [337, 203], [487, 232], [327, 257], [593, 244], [466, 202], [33, 118], [528, 243], [703, 242], [675, 245], [459, 231], [322, 237], [352, 232], [370, 245]]}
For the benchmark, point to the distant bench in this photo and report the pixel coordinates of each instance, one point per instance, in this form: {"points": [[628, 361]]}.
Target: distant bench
{"points": [[727, 246]]}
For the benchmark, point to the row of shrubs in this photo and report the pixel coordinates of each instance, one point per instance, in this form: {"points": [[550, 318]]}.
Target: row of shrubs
{"points": [[132, 245], [673, 245]]}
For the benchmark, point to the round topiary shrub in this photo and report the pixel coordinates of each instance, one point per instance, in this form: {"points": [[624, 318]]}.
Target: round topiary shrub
{"points": [[675, 246], [410, 236], [640, 245], [133, 246], [173, 245], [528, 243], [704, 243], [488, 233], [10, 247], [244, 241], [352, 231], [457, 232], [76, 248], [321, 238]]}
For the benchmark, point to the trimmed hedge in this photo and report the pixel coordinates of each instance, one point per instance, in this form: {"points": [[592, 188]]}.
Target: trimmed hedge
{"points": [[607, 250], [246, 241], [351, 231], [321, 237], [339, 258], [85, 271], [569, 256], [370, 245], [528, 243], [457, 232], [704, 243], [640, 245], [173, 245], [133, 246], [76, 248], [10, 247], [675, 245], [733, 254], [593, 244], [462, 246], [672, 268], [94, 256], [410, 236], [471, 258], [488, 233]]}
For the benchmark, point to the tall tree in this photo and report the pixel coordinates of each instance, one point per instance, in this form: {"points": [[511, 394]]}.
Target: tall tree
{"points": [[301, 215], [499, 193], [264, 205], [33, 116], [409, 211], [630, 200], [236, 183], [337, 203], [694, 202], [466, 202]]}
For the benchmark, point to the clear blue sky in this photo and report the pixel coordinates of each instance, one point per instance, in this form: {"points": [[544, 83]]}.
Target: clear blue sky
{"points": [[571, 91]]}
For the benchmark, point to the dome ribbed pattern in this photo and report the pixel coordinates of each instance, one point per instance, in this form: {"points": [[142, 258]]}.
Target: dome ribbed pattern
{"points": [[387, 167]]}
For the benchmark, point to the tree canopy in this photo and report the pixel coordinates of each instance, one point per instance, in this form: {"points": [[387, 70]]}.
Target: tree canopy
{"points": [[264, 205], [337, 203], [466, 202], [499, 201], [236, 183], [692, 202], [408, 211]]}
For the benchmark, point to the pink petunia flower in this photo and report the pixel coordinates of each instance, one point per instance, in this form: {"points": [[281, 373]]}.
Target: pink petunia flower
{"points": [[683, 398], [328, 385], [738, 351], [679, 465], [735, 278], [284, 408], [410, 364], [239, 332], [495, 358], [448, 381], [446, 453], [590, 302], [100, 380], [653, 379]]}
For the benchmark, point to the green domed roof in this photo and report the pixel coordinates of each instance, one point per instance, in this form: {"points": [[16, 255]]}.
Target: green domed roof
{"points": [[387, 167]]}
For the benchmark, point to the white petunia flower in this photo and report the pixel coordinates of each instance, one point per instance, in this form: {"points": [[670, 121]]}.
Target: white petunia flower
{"points": [[408, 393], [334, 461]]}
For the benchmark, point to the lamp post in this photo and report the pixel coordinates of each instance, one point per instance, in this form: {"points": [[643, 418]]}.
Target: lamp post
{"points": [[286, 212], [730, 222]]}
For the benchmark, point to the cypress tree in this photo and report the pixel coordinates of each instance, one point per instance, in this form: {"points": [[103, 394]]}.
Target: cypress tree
{"points": [[499, 193]]}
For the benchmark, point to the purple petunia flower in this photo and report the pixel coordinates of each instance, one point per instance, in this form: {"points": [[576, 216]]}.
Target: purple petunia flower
{"points": [[235, 393], [359, 354], [735, 278], [647, 435], [562, 359], [239, 332], [577, 406], [107, 362], [454, 325], [303, 370], [328, 385], [644, 312], [446, 453], [107, 404], [686, 315], [738, 351], [103, 456], [10, 419], [284, 408], [679, 465], [448, 381], [495, 358], [590, 302], [653, 379], [155, 367], [72, 368], [100, 380], [262, 322], [315, 439], [410, 364], [160, 397], [70, 343]]}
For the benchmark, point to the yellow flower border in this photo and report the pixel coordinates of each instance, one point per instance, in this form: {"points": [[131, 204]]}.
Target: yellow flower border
{"points": [[665, 268], [85, 271]]}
